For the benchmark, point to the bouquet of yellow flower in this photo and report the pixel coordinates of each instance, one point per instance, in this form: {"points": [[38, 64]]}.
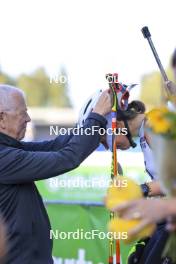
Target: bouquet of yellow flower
{"points": [[117, 193], [162, 122], [163, 125]]}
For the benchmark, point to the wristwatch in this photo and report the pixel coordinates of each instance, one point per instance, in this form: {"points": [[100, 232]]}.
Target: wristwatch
{"points": [[145, 189]]}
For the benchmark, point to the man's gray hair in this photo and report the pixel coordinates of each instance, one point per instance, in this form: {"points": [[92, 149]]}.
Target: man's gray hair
{"points": [[6, 96]]}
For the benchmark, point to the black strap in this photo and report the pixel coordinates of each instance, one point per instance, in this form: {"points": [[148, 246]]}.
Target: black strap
{"points": [[128, 135], [121, 117]]}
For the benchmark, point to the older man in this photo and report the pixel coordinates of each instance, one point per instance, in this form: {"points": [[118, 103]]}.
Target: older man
{"points": [[21, 205]]}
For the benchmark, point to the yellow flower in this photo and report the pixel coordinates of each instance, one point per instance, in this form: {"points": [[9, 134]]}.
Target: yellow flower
{"points": [[121, 190], [162, 127], [121, 226], [158, 121]]}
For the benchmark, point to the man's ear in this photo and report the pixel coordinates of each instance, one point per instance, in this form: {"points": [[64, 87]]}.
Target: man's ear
{"points": [[2, 120]]}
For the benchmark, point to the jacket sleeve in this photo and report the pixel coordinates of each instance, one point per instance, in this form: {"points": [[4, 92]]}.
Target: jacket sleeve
{"points": [[20, 166], [47, 145]]}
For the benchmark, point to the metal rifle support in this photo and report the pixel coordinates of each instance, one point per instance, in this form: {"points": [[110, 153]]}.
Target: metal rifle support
{"points": [[147, 35]]}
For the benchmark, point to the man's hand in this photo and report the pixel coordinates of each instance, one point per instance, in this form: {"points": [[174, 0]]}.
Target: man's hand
{"points": [[171, 87], [103, 141], [104, 104]]}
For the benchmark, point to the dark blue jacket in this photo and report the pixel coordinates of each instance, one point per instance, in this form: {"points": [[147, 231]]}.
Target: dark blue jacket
{"points": [[21, 205]]}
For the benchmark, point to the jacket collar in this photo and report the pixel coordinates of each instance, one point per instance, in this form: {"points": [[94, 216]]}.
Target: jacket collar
{"points": [[9, 141]]}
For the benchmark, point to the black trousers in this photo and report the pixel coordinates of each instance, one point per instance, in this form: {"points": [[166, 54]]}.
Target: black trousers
{"points": [[153, 251]]}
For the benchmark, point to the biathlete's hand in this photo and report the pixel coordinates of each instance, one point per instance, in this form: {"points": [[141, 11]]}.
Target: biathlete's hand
{"points": [[148, 211], [104, 104], [171, 224]]}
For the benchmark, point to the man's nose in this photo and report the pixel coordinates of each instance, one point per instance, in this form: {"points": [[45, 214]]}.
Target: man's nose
{"points": [[28, 119]]}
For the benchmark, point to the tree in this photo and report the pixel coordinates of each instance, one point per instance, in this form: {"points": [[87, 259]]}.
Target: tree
{"points": [[58, 90], [5, 78], [38, 89], [152, 88]]}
